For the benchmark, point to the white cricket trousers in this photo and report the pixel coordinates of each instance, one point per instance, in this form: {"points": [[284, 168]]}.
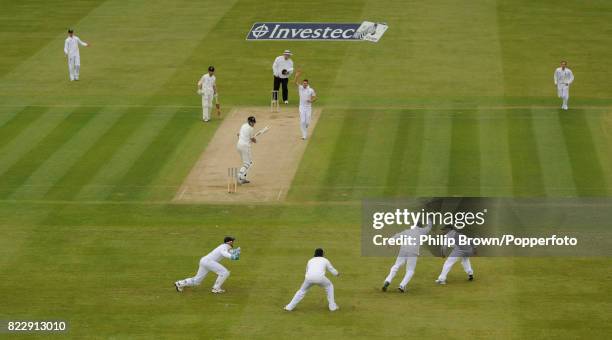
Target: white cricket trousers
{"points": [[563, 93], [305, 115], [450, 261], [245, 157], [205, 267], [207, 104], [410, 262], [322, 282], [74, 66]]}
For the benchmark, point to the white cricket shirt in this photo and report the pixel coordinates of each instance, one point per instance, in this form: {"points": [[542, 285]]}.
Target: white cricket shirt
{"points": [[306, 94], [208, 83], [219, 253], [71, 46], [316, 268], [413, 249], [281, 64], [245, 134], [563, 77]]}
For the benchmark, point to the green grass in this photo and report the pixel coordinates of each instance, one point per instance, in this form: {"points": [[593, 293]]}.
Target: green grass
{"points": [[456, 99]]}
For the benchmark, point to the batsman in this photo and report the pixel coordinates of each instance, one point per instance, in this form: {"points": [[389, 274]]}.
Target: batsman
{"points": [[246, 136], [207, 88]]}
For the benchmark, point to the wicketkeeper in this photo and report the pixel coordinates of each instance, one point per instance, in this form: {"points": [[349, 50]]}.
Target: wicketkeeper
{"points": [[210, 263], [207, 88]]}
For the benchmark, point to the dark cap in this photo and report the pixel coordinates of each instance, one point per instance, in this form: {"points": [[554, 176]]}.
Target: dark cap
{"points": [[318, 252], [211, 68], [228, 239]]}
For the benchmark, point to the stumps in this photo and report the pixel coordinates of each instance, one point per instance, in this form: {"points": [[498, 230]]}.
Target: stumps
{"points": [[232, 180]]}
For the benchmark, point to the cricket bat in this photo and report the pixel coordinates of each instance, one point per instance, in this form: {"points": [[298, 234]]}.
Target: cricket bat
{"points": [[262, 131]]}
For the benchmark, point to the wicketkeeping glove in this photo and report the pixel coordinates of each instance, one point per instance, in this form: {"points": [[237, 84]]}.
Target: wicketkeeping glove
{"points": [[235, 254]]}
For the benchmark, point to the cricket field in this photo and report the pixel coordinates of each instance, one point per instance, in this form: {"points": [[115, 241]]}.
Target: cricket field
{"points": [[456, 99]]}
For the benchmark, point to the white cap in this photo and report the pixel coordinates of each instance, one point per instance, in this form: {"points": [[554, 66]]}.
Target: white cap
{"points": [[287, 52]]}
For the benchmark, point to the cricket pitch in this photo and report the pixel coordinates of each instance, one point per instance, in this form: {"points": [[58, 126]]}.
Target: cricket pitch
{"points": [[276, 157]]}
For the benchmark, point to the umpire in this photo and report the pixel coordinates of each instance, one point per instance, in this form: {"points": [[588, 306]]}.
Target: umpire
{"points": [[282, 69]]}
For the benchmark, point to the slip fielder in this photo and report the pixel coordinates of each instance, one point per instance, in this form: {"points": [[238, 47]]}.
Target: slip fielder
{"points": [[307, 97], [246, 136], [563, 77], [407, 255], [71, 50], [207, 88], [210, 263], [315, 275], [460, 252]]}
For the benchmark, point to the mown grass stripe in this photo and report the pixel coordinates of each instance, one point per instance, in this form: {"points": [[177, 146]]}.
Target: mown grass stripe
{"points": [[56, 167], [20, 121], [586, 166], [28, 139], [311, 173], [601, 127], [464, 160], [376, 153], [402, 172], [18, 173], [144, 170], [98, 186], [435, 153], [177, 166], [525, 160], [554, 160], [106, 147], [346, 156], [495, 174]]}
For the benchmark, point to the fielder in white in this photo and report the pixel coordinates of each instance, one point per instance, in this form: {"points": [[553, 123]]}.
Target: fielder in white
{"points": [[207, 88], [210, 263], [307, 97], [458, 253], [563, 78], [315, 275], [246, 136], [71, 50], [407, 255]]}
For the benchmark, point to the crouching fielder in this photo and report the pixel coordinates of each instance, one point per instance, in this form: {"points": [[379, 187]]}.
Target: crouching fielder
{"points": [[245, 138], [460, 252], [207, 88], [315, 275], [210, 263], [408, 255], [307, 97]]}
